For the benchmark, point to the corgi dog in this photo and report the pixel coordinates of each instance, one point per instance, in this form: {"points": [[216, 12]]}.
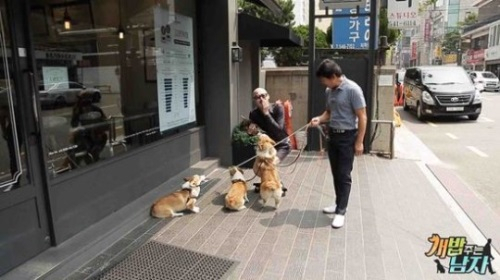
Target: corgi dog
{"points": [[184, 199], [265, 148], [265, 168], [270, 183], [237, 195]]}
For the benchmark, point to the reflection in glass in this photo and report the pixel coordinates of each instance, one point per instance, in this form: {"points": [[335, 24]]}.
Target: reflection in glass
{"points": [[99, 92], [12, 156]]}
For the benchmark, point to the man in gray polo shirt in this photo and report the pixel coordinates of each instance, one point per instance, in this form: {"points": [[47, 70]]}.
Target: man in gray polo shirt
{"points": [[346, 115]]}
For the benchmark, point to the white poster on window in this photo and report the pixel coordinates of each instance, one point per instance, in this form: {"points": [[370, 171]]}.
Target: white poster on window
{"points": [[52, 75], [174, 69]]}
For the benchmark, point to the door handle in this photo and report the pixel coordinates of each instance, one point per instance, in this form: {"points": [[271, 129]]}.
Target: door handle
{"points": [[34, 102]]}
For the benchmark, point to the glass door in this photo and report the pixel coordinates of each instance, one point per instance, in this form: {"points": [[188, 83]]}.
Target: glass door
{"points": [[23, 220]]}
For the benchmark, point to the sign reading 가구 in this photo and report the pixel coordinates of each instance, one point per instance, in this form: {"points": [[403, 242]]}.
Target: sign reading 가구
{"points": [[402, 13], [351, 32]]}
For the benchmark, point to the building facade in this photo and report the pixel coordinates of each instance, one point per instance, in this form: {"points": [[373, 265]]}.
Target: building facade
{"points": [[103, 100], [482, 53], [492, 57]]}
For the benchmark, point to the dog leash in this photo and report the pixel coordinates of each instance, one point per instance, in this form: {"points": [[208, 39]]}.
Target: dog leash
{"points": [[284, 139]]}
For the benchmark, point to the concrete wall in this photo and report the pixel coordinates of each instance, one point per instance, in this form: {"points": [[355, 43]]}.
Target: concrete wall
{"points": [[249, 73], [219, 76], [280, 82], [383, 96]]}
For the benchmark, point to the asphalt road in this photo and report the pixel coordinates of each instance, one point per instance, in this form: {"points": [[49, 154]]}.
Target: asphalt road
{"points": [[471, 148]]}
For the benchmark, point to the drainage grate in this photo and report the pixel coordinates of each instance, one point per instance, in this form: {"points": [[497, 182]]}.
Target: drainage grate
{"points": [[158, 261]]}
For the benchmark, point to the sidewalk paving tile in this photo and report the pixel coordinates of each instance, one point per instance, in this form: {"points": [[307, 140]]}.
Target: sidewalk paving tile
{"points": [[390, 216]]}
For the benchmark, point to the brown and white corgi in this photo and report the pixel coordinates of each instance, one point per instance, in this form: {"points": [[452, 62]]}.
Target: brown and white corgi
{"points": [[265, 168], [183, 199], [237, 194]]}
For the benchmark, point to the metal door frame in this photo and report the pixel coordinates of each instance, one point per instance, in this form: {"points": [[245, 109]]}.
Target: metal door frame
{"points": [[22, 74]]}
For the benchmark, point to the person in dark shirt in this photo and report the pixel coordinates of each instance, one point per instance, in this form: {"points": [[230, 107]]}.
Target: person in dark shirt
{"points": [[270, 118], [89, 131]]}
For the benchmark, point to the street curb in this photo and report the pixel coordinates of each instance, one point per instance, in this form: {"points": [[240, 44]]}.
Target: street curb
{"points": [[450, 188]]}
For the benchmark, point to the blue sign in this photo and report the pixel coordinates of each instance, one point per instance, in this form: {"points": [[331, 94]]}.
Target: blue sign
{"points": [[351, 32]]}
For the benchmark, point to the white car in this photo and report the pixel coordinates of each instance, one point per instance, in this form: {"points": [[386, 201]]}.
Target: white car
{"points": [[64, 93], [487, 79]]}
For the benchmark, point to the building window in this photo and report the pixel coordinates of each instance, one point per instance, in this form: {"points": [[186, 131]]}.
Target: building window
{"points": [[120, 75], [497, 41], [490, 36]]}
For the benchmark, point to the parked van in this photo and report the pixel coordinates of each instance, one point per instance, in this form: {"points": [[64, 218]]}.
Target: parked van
{"points": [[441, 91]]}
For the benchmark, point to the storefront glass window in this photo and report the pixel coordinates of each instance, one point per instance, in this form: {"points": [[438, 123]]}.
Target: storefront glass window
{"points": [[113, 75]]}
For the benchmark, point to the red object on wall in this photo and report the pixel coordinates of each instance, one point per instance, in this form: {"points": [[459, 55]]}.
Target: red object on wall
{"points": [[288, 123], [413, 50]]}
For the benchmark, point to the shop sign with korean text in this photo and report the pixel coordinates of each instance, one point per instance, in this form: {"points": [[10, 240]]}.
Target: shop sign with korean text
{"points": [[351, 32], [402, 14]]}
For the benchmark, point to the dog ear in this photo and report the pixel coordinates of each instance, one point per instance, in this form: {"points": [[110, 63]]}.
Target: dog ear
{"points": [[272, 141], [241, 170], [186, 185], [187, 179]]}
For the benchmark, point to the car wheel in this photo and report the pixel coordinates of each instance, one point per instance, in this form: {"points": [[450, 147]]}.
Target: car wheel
{"points": [[96, 97], [420, 113], [60, 102], [473, 117], [405, 106]]}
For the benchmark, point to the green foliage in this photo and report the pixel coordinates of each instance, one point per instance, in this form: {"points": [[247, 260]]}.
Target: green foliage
{"points": [[329, 35], [241, 136], [384, 30], [286, 19], [451, 41], [470, 19], [292, 56], [426, 4]]}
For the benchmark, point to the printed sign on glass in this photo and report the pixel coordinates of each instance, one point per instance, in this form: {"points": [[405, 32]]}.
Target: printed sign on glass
{"points": [[175, 69]]}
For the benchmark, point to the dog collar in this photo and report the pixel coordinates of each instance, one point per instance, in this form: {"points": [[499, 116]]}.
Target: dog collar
{"points": [[238, 180]]}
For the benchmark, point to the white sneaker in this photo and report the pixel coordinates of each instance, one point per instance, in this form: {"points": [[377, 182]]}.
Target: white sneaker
{"points": [[338, 221], [330, 209]]}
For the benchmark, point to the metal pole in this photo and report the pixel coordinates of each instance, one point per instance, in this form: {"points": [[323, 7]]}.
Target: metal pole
{"points": [[312, 58], [371, 65]]}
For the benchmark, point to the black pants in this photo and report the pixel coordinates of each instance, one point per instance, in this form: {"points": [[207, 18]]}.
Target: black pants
{"points": [[341, 156]]}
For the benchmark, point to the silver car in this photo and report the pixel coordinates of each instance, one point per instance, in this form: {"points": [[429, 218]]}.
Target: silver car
{"points": [[487, 79], [64, 93]]}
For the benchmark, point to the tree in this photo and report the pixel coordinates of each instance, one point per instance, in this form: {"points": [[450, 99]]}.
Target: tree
{"points": [[292, 56], [451, 41], [285, 19], [329, 35], [423, 6], [470, 19], [384, 30]]}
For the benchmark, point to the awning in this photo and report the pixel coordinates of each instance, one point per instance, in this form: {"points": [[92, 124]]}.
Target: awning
{"points": [[267, 33], [270, 4]]}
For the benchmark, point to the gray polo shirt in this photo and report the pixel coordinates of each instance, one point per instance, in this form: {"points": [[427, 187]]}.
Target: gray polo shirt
{"points": [[343, 103]]}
